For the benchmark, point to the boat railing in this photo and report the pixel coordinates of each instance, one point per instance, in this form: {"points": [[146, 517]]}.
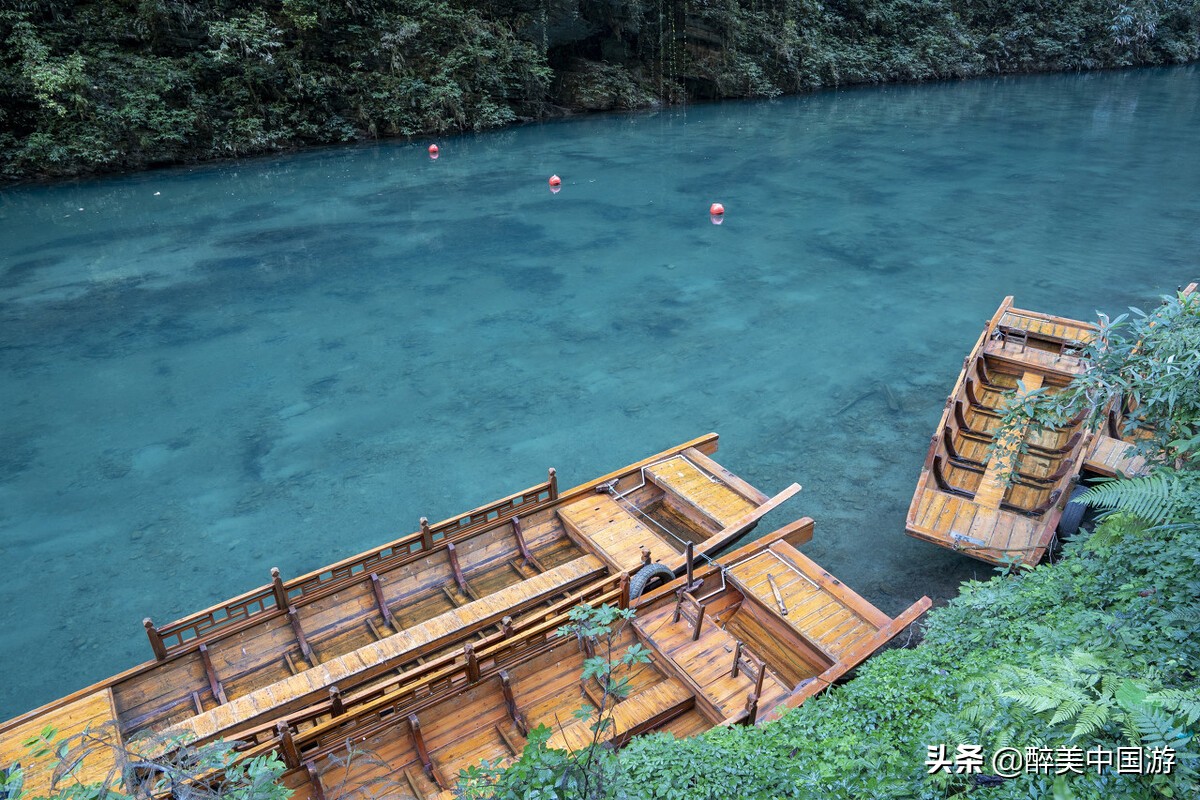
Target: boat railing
{"points": [[188, 633], [224, 619], [325, 728]]}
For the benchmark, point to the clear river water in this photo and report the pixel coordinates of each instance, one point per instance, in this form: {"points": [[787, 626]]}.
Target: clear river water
{"points": [[209, 371]]}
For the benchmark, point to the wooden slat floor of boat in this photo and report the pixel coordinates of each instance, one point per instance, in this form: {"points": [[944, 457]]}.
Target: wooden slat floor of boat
{"points": [[830, 616], [960, 524], [689, 723], [342, 670], [162, 696], [633, 715], [989, 424], [462, 731], [557, 552], [384, 765], [707, 661], [548, 691], [1030, 463], [992, 486], [616, 533], [95, 713], [704, 492], [1112, 457]]}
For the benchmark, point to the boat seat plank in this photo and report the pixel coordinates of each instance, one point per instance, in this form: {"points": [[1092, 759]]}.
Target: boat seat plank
{"points": [[616, 534], [992, 487], [357, 665], [96, 713], [636, 713], [706, 493], [1111, 457]]}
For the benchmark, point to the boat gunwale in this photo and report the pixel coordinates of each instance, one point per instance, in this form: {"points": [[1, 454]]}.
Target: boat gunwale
{"points": [[707, 443]]}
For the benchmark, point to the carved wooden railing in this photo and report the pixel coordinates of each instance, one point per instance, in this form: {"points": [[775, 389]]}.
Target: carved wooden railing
{"points": [[274, 598]]}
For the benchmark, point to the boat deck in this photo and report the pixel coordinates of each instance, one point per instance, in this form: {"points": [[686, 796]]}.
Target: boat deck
{"points": [[811, 601], [706, 663], [949, 519], [620, 538], [992, 486], [703, 491], [93, 717], [385, 655], [1113, 457]]}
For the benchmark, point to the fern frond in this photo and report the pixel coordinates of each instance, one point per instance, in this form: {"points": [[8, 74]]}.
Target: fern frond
{"points": [[1177, 701], [1156, 727], [1154, 498], [1091, 719], [1036, 699], [1067, 711]]}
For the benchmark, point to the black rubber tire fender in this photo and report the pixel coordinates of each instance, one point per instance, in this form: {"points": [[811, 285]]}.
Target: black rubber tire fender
{"points": [[642, 578], [1072, 514]]}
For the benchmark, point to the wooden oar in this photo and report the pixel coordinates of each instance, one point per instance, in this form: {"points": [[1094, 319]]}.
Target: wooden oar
{"points": [[778, 596]]}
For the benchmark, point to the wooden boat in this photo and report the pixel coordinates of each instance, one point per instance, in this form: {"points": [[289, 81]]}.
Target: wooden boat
{"points": [[963, 500], [289, 644], [1114, 450], [753, 634]]}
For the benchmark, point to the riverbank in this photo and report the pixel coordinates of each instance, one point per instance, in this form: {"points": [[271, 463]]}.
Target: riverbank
{"points": [[100, 86]]}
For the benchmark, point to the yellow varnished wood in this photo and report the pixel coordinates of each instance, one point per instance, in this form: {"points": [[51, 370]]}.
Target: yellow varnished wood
{"points": [[819, 607], [616, 534], [343, 669], [1112, 457], [696, 487], [992, 486], [93, 713], [631, 715]]}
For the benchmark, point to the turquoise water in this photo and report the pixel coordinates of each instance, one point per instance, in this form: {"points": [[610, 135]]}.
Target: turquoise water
{"points": [[211, 371]]}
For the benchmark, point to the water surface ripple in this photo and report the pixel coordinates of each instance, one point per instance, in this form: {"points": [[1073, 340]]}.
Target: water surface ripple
{"points": [[211, 371]]}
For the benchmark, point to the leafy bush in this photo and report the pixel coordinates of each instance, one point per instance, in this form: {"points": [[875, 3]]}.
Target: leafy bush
{"points": [[94, 85]]}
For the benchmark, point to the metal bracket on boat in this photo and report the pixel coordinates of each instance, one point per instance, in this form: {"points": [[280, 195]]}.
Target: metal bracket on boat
{"points": [[608, 487], [961, 538]]}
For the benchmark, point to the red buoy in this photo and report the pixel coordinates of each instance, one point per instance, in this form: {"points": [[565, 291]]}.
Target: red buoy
{"points": [[716, 209], [555, 180], [433, 151]]}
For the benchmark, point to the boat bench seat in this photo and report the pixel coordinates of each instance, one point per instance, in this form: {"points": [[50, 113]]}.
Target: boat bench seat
{"points": [[312, 685], [635, 714]]}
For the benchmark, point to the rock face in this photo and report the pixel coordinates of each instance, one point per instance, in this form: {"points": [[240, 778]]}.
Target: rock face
{"points": [[94, 85]]}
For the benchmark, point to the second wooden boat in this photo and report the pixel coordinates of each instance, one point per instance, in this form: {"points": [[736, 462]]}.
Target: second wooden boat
{"points": [[1001, 501], [754, 633]]}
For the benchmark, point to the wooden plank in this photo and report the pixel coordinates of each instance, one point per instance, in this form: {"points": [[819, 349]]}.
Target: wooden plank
{"points": [[615, 534], [706, 493], [991, 486], [638, 712], [733, 481], [374, 658], [89, 723], [851, 659]]}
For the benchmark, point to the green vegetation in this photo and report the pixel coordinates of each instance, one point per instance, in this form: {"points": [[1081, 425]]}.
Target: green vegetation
{"points": [[94, 85], [1093, 653], [174, 768]]}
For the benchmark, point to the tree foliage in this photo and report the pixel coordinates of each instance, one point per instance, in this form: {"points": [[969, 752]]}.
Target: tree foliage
{"points": [[93, 85]]}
